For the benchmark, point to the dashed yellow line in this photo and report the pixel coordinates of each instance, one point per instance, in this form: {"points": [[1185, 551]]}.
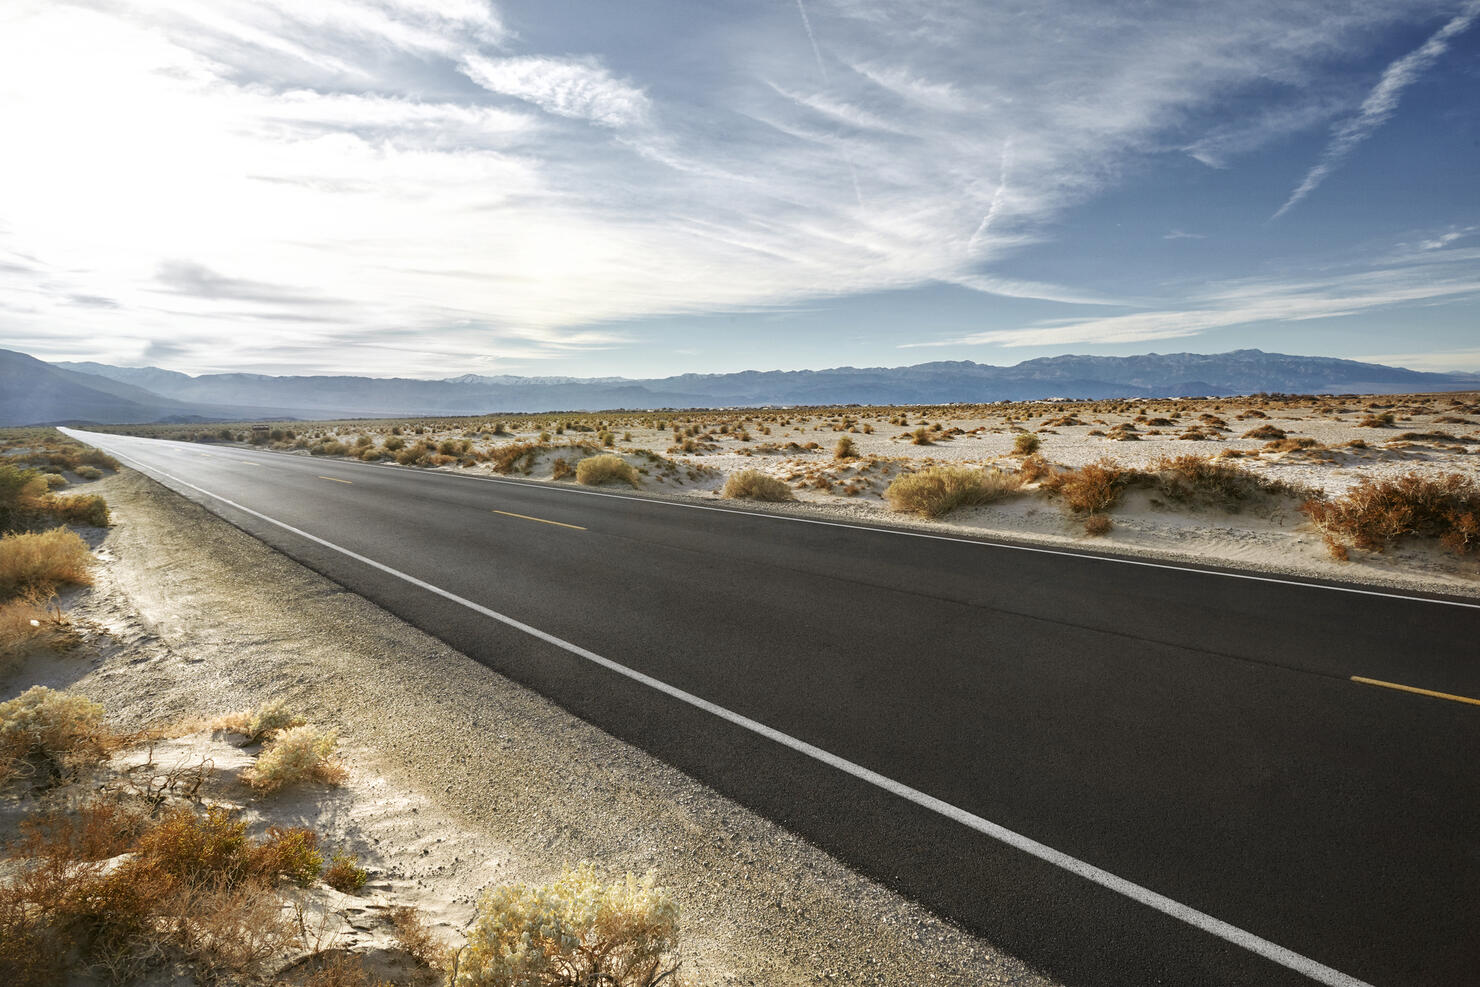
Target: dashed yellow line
{"points": [[1414, 689], [335, 479], [541, 520]]}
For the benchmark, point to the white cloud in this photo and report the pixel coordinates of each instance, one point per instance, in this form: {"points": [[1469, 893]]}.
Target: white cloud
{"points": [[580, 89], [1251, 301], [404, 172]]}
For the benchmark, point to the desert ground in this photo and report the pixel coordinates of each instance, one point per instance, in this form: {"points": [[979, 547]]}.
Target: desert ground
{"points": [[1224, 481]]}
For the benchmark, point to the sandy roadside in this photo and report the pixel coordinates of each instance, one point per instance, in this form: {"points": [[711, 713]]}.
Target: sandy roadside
{"points": [[460, 778]]}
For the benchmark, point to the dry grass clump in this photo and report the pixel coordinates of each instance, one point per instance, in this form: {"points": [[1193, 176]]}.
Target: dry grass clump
{"points": [[755, 485], [1374, 514], [595, 470], [297, 754], [938, 490], [42, 562], [845, 449], [51, 735], [1265, 432], [576, 932]]}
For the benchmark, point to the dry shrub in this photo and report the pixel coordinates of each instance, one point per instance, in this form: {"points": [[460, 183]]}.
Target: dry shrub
{"points": [[755, 485], [845, 449], [1025, 444], [343, 874], [269, 718], [1374, 514], [1091, 489], [1265, 432], [88, 472], [21, 494], [88, 509], [49, 734], [559, 469], [194, 887], [1034, 468], [415, 937], [515, 456], [921, 437], [297, 754], [938, 490], [572, 933], [1291, 444], [27, 625], [596, 470], [1098, 524], [42, 562], [95, 830], [1209, 481]]}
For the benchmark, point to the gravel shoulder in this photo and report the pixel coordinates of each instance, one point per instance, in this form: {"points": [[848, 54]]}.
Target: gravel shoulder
{"points": [[461, 779]]}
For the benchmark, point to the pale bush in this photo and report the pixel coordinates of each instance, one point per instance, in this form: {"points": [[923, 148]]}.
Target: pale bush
{"points": [[595, 470], [298, 754], [262, 722], [56, 731], [755, 485], [938, 490], [572, 933], [41, 562]]}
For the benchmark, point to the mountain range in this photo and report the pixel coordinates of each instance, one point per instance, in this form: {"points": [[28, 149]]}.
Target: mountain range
{"points": [[35, 392]]}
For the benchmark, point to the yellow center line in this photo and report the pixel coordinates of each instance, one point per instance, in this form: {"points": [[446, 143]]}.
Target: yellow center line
{"points": [[1415, 689], [541, 520], [332, 479]]}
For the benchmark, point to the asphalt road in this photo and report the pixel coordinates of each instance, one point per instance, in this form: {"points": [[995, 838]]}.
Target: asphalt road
{"points": [[1124, 774]]}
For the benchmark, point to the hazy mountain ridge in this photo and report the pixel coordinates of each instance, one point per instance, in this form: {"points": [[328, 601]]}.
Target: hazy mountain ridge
{"points": [[100, 392]]}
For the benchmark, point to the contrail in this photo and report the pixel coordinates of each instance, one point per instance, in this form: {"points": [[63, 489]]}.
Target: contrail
{"points": [[816, 51], [997, 197], [1381, 103], [822, 67]]}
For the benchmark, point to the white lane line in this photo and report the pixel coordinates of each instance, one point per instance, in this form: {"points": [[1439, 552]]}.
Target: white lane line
{"points": [[1005, 546], [1200, 920]]}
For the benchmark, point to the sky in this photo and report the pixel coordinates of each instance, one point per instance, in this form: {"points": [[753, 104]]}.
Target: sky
{"points": [[428, 188]]}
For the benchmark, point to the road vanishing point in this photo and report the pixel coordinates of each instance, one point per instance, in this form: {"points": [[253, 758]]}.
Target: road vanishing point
{"points": [[1122, 772]]}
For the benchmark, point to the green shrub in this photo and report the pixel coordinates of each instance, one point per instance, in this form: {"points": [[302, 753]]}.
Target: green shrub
{"points": [[344, 875], [596, 470], [938, 490]]}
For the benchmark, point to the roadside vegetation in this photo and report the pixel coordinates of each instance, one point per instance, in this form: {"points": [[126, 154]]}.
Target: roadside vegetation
{"points": [[40, 557], [1375, 514], [938, 490]]}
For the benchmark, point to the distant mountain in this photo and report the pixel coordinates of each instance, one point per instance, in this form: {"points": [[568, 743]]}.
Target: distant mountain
{"points": [[136, 393]]}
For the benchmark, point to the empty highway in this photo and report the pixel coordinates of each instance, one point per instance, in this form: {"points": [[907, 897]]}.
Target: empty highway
{"points": [[1123, 773]]}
